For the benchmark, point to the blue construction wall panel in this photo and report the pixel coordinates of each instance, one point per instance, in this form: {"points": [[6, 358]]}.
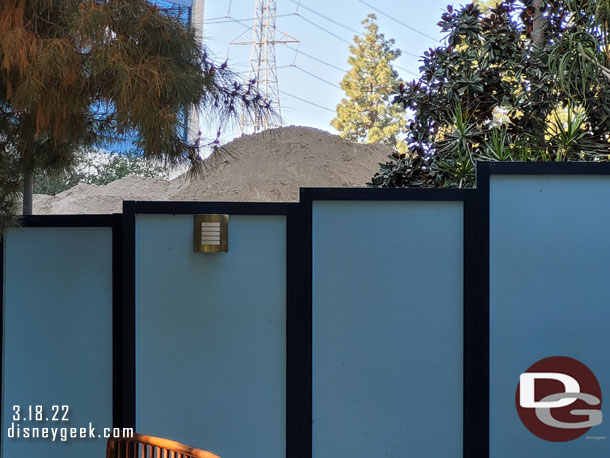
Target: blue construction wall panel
{"points": [[211, 333], [387, 329], [549, 296], [57, 336]]}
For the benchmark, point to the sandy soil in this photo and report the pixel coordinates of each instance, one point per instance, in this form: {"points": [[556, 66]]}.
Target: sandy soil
{"points": [[267, 167]]}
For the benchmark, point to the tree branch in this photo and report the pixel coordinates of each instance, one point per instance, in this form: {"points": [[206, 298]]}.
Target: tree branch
{"points": [[539, 23]]}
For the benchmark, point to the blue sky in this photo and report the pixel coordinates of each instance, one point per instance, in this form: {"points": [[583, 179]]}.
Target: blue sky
{"points": [[301, 75]]}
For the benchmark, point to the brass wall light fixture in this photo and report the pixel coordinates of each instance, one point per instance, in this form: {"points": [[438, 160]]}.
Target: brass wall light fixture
{"points": [[211, 234]]}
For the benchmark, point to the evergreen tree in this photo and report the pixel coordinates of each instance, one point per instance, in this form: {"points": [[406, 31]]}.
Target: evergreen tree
{"points": [[366, 114], [74, 73]]}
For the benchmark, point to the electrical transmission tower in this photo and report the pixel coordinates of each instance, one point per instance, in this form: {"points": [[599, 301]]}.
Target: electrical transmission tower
{"points": [[262, 67]]}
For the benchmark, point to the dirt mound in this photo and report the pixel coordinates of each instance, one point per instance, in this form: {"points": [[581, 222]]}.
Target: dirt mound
{"points": [[91, 199], [270, 166]]}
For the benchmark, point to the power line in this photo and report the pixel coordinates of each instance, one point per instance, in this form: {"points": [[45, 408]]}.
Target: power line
{"points": [[339, 37], [324, 29], [311, 10], [408, 53], [404, 24], [343, 70], [340, 24], [329, 82], [237, 21], [227, 19], [307, 101], [406, 70], [298, 51], [313, 75], [207, 21]]}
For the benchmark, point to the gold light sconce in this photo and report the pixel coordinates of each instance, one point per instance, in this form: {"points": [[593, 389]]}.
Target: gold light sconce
{"points": [[211, 234]]}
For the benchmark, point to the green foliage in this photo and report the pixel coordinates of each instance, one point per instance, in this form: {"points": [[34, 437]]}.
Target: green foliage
{"points": [[9, 187], [406, 170], [74, 73], [366, 114], [97, 169], [52, 183], [120, 166], [493, 93]]}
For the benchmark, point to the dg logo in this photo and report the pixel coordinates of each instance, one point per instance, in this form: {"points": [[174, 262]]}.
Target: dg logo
{"points": [[559, 399]]}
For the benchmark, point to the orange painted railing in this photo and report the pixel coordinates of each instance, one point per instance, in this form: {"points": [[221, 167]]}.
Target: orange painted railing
{"points": [[141, 446]]}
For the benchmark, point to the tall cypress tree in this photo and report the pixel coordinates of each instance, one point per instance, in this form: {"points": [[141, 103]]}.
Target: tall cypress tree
{"points": [[366, 114]]}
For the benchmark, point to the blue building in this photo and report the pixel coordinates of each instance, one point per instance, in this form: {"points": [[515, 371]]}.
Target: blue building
{"points": [[191, 12]]}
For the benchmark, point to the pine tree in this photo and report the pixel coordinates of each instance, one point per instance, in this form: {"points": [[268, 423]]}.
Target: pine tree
{"points": [[366, 114], [76, 72]]}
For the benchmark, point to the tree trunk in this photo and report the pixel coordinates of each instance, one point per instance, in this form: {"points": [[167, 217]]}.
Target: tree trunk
{"points": [[538, 39], [28, 190], [538, 24]]}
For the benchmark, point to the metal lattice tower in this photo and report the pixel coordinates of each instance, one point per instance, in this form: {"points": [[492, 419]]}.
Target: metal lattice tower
{"points": [[262, 67]]}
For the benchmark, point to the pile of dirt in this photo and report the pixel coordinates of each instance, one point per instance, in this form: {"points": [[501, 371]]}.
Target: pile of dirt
{"points": [[92, 199], [269, 166]]}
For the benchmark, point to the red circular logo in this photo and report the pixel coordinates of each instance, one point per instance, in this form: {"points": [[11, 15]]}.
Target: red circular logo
{"points": [[559, 399]]}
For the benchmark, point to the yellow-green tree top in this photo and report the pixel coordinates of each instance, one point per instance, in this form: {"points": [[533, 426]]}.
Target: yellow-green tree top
{"points": [[366, 114]]}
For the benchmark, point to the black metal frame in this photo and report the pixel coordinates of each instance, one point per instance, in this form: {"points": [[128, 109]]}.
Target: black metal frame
{"points": [[299, 290], [111, 221], [293, 325], [476, 409], [298, 300], [484, 172], [2, 339], [299, 319], [486, 169]]}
